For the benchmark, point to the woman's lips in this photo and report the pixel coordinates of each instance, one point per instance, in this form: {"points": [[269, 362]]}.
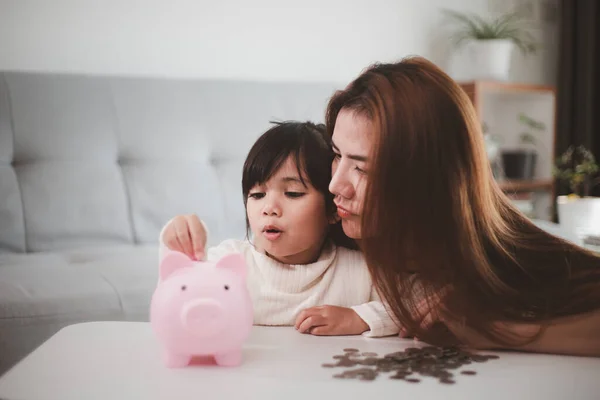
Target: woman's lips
{"points": [[343, 213]]}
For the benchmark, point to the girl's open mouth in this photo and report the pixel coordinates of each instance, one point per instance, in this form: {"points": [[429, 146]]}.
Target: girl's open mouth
{"points": [[272, 232]]}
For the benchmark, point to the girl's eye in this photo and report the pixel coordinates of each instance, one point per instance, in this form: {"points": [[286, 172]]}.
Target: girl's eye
{"points": [[256, 195], [337, 156], [360, 170], [294, 194]]}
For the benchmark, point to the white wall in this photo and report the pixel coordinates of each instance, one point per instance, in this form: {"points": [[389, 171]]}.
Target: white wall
{"points": [[322, 40]]}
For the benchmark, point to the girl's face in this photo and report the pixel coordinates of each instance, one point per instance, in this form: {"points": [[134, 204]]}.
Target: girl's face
{"points": [[351, 145], [288, 220]]}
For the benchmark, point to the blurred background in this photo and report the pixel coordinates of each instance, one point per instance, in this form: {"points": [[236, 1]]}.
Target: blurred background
{"points": [[116, 116], [322, 40]]}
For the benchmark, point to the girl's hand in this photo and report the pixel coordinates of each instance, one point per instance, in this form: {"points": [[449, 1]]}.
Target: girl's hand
{"points": [[330, 320], [186, 234]]}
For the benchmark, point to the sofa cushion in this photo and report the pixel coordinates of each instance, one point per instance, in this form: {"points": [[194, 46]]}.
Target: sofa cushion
{"points": [[12, 231], [12, 225], [65, 159], [116, 281], [40, 293], [160, 190], [68, 205], [104, 160]]}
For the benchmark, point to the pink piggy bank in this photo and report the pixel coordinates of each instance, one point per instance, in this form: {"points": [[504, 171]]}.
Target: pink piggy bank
{"points": [[201, 309]]}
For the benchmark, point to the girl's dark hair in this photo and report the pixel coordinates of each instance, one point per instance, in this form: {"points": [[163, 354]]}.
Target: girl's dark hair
{"points": [[310, 147]]}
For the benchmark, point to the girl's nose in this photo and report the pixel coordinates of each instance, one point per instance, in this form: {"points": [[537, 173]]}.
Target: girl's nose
{"points": [[271, 209]]}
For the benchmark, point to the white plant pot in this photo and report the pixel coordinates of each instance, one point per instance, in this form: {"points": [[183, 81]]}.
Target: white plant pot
{"points": [[490, 59], [580, 216]]}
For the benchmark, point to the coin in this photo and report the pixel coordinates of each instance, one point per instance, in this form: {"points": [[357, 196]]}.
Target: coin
{"points": [[429, 361], [399, 375], [447, 381], [369, 361], [346, 363]]}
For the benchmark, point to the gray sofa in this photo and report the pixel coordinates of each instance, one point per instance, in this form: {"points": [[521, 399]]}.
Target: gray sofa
{"points": [[91, 167]]}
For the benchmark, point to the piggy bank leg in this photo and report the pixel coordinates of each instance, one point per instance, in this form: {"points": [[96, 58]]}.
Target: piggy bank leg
{"points": [[229, 359], [173, 360]]}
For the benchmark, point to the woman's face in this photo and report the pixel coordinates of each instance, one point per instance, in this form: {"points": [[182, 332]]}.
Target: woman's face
{"points": [[351, 145]]}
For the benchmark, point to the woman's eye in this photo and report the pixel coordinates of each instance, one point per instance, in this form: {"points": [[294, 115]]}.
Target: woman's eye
{"points": [[256, 195], [337, 156], [294, 194], [360, 170]]}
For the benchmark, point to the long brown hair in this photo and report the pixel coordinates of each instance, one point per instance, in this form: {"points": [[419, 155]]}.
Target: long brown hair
{"points": [[435, 220]]}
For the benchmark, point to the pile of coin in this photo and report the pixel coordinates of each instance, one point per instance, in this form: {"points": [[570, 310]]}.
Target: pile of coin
{"points": [[435, 362]]}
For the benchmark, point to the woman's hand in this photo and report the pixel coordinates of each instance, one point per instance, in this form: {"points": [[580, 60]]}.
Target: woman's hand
{"points": [[330, 320], [186, 234], [427, 313]]}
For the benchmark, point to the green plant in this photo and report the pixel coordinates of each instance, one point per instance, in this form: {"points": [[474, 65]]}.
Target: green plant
{"points": [[507, 26], [528, 137], [577, 166]]}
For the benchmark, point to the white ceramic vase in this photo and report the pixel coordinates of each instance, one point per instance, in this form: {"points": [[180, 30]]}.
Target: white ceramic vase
{"points": [[490, 59], [581, 216]]}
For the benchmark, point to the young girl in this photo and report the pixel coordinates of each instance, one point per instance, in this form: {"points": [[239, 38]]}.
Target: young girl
{"points": [[302, 270]]}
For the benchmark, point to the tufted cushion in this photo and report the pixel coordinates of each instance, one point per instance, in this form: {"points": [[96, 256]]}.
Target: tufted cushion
{"points": [[12, 225], [100, 161]]}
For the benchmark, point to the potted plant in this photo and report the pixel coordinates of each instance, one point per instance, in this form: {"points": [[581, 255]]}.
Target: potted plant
{"points": [[520, 163], [578, 212], [490, 42]]}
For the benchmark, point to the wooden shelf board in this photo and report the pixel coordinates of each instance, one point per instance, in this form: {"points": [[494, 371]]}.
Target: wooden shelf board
{"points": [[506, 86], [526, 186]]}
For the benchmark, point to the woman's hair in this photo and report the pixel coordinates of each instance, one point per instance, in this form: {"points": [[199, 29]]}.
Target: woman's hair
{"points": [[310, 148], [435, 221]]}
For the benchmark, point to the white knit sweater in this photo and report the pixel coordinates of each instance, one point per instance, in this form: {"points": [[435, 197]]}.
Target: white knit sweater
{"points": [[280, 292]]}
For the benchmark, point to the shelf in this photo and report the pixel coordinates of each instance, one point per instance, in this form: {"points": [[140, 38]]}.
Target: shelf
{"points": [[477, 90], [526, 186], [499, 86]]}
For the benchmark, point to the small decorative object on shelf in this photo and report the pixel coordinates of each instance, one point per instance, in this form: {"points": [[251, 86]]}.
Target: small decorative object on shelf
{"points": [[490, 42], [578, 212], [520, 163], [577, 166]]}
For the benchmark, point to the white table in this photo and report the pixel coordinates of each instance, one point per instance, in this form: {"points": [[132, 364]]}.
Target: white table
{"points": [[122, 360]]}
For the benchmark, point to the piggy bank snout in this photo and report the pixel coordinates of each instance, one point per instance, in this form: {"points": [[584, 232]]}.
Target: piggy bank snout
{"points": [[203, 317]]}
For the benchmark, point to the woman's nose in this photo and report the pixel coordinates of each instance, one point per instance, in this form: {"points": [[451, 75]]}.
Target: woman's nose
{"points": [[340, 185]]}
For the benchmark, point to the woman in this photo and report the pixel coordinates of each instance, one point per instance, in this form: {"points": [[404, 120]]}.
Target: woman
{"points": [[444, 245]]}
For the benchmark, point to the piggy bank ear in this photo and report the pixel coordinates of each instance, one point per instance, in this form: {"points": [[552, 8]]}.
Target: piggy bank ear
{"points": [[173, 261], [233, 262]]}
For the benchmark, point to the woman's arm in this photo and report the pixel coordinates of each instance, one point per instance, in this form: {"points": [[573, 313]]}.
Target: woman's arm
{"points": [[577, 336]]}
